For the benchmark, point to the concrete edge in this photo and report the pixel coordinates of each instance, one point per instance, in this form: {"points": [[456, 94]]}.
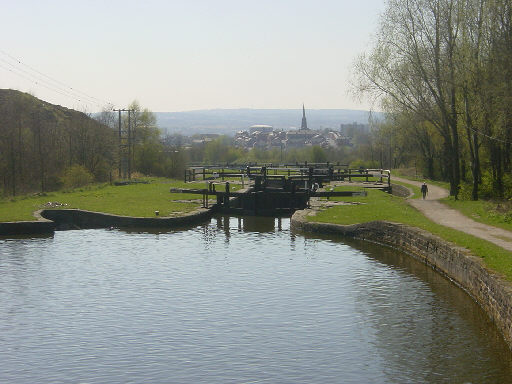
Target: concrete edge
{"points": [[49, 220], [489, 289], [36, 227]]}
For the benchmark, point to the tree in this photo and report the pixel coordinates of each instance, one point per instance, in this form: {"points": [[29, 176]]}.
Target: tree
{"points": [[412, 65]]}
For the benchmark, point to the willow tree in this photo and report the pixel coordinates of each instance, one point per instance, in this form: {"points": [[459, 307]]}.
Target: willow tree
{"points": [[412, 63]]}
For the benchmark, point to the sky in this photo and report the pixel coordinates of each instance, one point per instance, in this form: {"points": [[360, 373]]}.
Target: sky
{"points": [[188, 54]]}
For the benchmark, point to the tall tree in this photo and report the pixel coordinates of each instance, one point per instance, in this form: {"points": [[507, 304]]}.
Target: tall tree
{"points": [[413, 64]]}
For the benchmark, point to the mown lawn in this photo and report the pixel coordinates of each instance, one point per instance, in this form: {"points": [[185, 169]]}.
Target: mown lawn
{"points": [[140, 200], [382, 206]]}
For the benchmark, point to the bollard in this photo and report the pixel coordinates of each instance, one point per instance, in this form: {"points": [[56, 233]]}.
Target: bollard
{"points": [[226, 197]]}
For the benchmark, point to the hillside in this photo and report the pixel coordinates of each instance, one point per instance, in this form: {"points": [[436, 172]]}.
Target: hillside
{"points": [[31, 103], [39, 141], [229, 121]]}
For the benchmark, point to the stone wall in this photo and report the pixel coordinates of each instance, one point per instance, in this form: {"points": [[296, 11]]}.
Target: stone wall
{"points": [[49, 220], [79, 219], [488, 288], [26, 227], [401, 190]]}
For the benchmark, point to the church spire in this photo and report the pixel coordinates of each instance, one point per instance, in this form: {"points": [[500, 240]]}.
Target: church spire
{"points": [[304, 124]]}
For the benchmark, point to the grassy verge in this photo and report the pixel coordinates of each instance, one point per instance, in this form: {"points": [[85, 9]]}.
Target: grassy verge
{"points": [[498, 214], [381, 206], [493, 213], [140, 200], [416, 190], [406, 175]]}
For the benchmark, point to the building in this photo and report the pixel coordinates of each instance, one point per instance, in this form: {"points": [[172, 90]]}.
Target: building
{"points": [[260, 128], [304, 124]]}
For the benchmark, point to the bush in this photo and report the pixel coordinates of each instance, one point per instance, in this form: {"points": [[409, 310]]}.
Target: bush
{"points": [[364, 164], [76, 176]]}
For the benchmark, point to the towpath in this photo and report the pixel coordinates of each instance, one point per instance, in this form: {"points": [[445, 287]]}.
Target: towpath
{"points": [[436, 211]]}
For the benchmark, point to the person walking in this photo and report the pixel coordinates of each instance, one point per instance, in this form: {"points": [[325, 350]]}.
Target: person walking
{"points": [[424, 190]]}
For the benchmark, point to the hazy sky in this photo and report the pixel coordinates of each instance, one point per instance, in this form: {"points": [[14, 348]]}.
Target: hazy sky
{"points": [[188, 54]]}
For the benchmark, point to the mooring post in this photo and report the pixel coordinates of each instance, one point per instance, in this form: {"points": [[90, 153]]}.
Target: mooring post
{"points": [[226, 197]]}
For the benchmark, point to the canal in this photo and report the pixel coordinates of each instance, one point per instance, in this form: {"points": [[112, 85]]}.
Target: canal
{"points": [[234, 301]]}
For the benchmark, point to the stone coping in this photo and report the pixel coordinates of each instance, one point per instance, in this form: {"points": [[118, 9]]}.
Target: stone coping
{"points": [[49, 220], [492, 291], [401, 190]]}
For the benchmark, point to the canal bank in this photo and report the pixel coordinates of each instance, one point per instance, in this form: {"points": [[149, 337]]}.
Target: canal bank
{"points": [[50, 220], [489, 289], [235, 300]]}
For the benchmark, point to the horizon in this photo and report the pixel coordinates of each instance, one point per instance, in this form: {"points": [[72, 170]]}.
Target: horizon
{"points": [[187, 56]]}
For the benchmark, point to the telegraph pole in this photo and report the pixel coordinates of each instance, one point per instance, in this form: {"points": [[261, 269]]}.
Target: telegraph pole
{"points": [[125, 149]]}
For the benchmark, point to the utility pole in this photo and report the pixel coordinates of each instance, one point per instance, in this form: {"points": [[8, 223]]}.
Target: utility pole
{"points": [[119, 148], [125, 170], [130, 146]]}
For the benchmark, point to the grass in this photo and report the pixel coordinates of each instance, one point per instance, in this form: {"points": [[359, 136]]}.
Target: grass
{"points": [[140, 200], [407, 175], [382, 206], [498, 214], [416, 190]]}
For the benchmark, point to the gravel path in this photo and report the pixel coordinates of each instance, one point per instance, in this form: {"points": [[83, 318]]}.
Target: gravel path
{"points": [[444, 215]]}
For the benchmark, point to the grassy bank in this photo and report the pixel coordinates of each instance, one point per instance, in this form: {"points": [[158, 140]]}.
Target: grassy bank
{"points": [[498, 214], [495, 213], [407, 174], [381, 206], [141, 200]]}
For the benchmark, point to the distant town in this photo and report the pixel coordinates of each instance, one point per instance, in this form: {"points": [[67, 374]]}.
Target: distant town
{"points": [[266, 137]]}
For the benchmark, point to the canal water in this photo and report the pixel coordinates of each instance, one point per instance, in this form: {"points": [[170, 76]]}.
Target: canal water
{"points": [[234, 301]]}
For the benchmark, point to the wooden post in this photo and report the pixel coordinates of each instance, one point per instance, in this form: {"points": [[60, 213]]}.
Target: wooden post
{"points": [[226, 196]]}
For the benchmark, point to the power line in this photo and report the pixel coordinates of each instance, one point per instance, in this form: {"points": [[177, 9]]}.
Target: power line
{"points": [[490, 137], [39, 78], [14, 71], [21, 73]]}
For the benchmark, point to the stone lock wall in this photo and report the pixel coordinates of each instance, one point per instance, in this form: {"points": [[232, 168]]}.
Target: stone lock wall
{"points": [[49, 220], [488, 288]]}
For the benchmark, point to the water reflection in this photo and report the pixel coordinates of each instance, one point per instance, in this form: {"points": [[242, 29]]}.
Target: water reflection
{"points": [[239, 299]]}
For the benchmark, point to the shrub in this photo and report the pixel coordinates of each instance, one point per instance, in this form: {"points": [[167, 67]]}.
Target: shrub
{"points": [[76, 176], [364, 164]]}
